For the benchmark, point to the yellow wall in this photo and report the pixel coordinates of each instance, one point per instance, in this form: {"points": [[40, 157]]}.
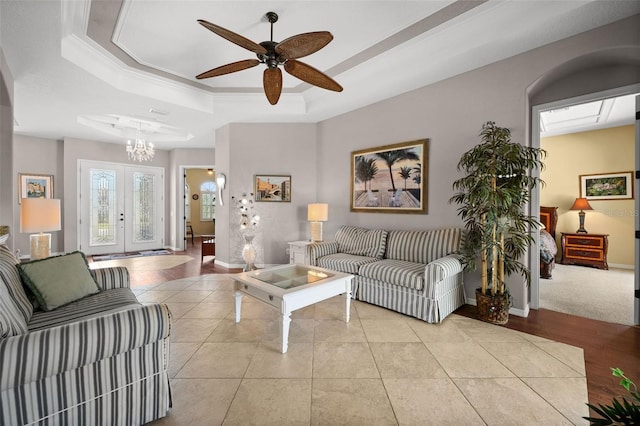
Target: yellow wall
{"points": [[195, 177], [596, 152]]}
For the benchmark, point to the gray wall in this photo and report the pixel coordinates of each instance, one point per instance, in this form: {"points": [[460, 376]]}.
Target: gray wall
{"points": [[7, 187], [244, 150], [450, 113], [42, 157]]}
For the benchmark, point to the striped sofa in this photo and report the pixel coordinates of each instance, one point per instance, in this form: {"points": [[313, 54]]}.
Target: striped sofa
{"points": [[101, 360], [412, 272]]}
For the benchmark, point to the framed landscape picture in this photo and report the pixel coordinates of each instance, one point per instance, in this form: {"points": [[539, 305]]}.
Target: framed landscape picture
{"points": [[272, 188], [607, 186], [390, 178], [34, 186]]}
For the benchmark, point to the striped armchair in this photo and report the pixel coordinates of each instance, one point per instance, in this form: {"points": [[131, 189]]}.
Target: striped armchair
{"points": [[101, 360], [412, 272]]}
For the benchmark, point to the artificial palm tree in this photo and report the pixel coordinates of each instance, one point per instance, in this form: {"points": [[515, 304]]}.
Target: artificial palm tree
{"points": [[492, 196]]}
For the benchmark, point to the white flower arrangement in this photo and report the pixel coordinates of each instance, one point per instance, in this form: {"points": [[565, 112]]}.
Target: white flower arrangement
{"points": [[244, 206]]}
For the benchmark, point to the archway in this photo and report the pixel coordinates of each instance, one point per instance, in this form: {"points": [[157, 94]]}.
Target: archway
{"points": [[600, 75]]}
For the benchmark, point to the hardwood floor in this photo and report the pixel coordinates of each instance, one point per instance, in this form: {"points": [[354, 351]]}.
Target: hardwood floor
{"points": [[605, 345]]}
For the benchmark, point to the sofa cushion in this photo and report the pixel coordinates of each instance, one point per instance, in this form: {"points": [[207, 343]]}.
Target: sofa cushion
{"points": [[98, 304], [56, 281], [10, 276], [361, 241], [397, 272], [342, 262], [422, 246]]}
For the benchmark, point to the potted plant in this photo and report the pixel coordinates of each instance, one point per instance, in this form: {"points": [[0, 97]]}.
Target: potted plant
{"points": [[625, 412], [491, 198]]}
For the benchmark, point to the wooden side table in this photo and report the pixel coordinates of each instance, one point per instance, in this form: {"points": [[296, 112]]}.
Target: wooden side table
{"points": [[208, 246], [298, 252], [585, 249]]}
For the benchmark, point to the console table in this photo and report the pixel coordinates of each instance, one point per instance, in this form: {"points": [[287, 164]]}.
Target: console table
{"points": [[585, 249]]}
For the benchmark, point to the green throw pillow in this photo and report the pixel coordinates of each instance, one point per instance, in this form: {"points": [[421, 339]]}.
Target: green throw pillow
{"points": [[57, 281]]}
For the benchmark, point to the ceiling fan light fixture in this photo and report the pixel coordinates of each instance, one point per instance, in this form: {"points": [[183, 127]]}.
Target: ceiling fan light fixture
{"points": [[273, 54]]}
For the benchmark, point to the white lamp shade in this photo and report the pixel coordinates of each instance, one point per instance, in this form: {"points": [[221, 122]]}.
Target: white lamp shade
{"points": [[40, 215], [318, 212]]}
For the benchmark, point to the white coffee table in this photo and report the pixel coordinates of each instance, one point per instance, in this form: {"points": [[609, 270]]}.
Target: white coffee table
{"points": [[291, 287]]}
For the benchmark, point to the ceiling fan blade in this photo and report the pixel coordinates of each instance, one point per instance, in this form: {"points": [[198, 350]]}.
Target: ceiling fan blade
{"points": [[302, 45], [272, 82], [229, 68], [311, 75], [233, 37]]}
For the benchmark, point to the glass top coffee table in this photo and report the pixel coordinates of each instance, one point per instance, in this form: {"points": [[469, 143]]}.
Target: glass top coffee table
{"points": [[291, 287]]}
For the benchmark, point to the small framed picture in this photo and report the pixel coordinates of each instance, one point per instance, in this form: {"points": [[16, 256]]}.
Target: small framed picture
{"points": [[272, 188], [34, 186], [607, 186]]}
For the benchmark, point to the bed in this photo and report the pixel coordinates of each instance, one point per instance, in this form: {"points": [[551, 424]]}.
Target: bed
{"points": [[548, 246]]}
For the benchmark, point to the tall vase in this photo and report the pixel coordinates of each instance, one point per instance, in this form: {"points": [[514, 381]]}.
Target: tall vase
{"points": [[248, 253]]}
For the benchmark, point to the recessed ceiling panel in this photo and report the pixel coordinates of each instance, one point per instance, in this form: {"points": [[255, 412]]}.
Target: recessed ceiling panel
{"points": [[168, 37]]}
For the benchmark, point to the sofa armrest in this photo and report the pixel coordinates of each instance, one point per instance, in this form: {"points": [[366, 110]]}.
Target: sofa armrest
{"points": [[112, 277], [319, 249], [439, 270], [33, 356]]}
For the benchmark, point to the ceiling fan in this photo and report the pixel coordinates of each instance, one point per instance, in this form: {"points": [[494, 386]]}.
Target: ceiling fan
{"points": [[273, 54]]}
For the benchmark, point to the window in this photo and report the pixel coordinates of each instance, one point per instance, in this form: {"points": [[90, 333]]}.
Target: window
{"points": [[207, 200]]}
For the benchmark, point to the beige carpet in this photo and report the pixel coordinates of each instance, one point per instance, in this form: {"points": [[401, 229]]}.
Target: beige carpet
{"points": [[590, 292]]}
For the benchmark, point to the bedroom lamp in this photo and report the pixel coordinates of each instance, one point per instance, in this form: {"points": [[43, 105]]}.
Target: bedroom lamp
{"points": [[581, 204], [316, 214], [40, 215]]}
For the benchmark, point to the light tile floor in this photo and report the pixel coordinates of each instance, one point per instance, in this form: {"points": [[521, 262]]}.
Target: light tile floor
{"points": [[380, 368]]}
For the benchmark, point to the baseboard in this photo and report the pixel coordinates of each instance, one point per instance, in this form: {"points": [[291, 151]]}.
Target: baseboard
{"points": [[227, 265], [512, 311], [621, 266], [241, 265]]}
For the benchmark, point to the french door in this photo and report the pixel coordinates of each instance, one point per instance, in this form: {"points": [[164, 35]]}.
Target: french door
{"points": [[121, 207]]}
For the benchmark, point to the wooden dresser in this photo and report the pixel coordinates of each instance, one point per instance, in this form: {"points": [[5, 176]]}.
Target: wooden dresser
{"points": [[585, 249]]}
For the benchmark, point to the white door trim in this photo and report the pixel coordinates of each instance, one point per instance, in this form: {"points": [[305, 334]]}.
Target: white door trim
{"points": [[534, 255]]}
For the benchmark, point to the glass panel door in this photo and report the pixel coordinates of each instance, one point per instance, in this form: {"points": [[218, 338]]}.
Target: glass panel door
{"points": [[121, 208], [144, 207], [103, 207]]}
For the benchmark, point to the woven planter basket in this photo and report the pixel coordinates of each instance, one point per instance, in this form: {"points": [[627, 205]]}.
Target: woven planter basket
{"points": [[493, 309]]}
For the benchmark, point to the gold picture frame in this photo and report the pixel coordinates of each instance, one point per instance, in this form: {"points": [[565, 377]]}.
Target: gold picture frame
{"points": [[390, 178]]}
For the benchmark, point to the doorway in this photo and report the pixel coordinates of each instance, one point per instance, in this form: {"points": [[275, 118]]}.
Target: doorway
{"points": [[121, 207], [607, 212], [199, 203]]}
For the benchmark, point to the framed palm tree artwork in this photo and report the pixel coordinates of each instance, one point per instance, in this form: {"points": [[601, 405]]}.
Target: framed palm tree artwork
{"points": [[390, 178]]}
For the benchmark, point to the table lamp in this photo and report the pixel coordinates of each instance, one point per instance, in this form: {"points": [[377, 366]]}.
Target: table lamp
{"points": [[316, 214], [581, 204], [40, 215]]}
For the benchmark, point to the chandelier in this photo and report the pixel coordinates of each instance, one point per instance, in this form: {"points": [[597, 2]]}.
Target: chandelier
{"points": [[141, 150]]}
